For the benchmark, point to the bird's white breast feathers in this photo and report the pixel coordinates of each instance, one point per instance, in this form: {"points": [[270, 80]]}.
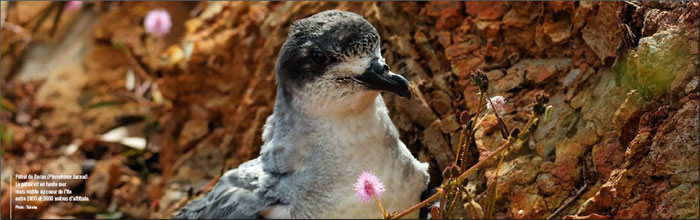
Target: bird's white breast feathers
{"points": [[366, 141], [404, 177]]}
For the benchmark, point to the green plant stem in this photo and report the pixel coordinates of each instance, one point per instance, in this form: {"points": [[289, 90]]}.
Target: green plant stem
{"points": [[494, 191], [44, 15], [482, 162], [471, 206], [526, 133], [452, 204], [131, 60], [6, 105], [57, 18], [459, 144], [417, 206], [380, 206], [471, 133], [569, 201], [443, 198], [463, 154], [469, 201], [461, 138]]}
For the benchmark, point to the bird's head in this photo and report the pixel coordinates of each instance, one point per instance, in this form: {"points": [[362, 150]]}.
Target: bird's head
{"points": [[332, 62]]}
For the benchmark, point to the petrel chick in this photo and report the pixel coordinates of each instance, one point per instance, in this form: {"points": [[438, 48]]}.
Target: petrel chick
{"points": [[328, 126]]}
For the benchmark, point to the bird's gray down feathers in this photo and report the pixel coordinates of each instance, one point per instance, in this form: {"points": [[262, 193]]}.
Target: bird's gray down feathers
{"points": [[238, 194]]}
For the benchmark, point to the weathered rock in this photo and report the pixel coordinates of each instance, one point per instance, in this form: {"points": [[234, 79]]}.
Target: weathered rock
{"points": [[526, 203], [547, 184], [692, 85], [581, 15], [603, 32], [413, 70], [487, 137], [637, 148], [448, 21], [661, 18], [640, 165], [463, 67], [621, 189], [437, 9], [437, 146], [523, 37], [568, 153], [485, 10], [638, 210], [463, 32], [547, 167], [193, 130], [104, 178], [471, 96], [681, 202], [547, 134], [601, 101], [206, 162], [608, 155], [515, 19], [489, 29], [660, 61], [515, 76], [428, 52], [441, 102], [443, 82], [64, 166], [444, 38], [562, 6], [460, 50], [674, 152], [591, 216], [633, 102], [495, 74], [449, 123], [557, 31], [511, 178], [573, 78], [525, 176], [402, 45], [417, 111], [539, 70]]}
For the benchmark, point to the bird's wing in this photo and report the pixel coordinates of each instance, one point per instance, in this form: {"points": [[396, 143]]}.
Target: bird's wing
{"points": [[268, 128], [240, 193]]}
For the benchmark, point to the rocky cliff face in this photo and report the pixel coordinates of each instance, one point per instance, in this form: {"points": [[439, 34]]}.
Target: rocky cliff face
{"points": [[622, 76], [622, 140]]}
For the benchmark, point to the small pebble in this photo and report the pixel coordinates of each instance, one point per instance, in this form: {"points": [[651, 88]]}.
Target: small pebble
{"points": [[23, 118]]}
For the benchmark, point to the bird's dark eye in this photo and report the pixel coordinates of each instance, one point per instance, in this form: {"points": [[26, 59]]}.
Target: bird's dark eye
{"points": [[318, 57]]}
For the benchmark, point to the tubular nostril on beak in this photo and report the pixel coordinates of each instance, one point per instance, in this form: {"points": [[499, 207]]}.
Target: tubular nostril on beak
{"points": [[386, 68]]}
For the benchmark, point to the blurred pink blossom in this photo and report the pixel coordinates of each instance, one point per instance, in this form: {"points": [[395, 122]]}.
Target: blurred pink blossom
{"points": [[498, 102], [368, 186], [73, 5], [158, 22]]}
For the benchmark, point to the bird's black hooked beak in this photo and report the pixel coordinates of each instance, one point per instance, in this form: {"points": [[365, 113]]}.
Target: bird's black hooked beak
{"points": [[378, 77]]}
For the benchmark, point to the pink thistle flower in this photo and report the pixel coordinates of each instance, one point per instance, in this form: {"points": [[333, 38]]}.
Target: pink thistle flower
{"points": [[158, 22], [73, 5], [368, 186], [498, 102]]}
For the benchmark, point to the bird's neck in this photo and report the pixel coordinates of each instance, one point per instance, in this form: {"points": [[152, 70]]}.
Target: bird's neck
{"points": [[347, 108]]}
